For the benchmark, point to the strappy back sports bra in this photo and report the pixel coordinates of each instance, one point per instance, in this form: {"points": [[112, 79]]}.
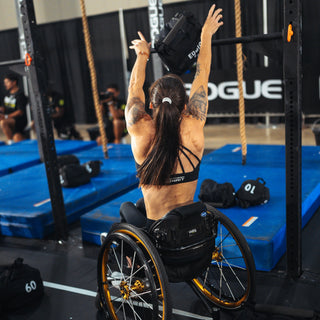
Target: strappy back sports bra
{"points": [[184, 176]]}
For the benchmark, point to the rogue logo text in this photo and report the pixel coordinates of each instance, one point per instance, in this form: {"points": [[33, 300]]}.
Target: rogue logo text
{"points": [[228, 90]]}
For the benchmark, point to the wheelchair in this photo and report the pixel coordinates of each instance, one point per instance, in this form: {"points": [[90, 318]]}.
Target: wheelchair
{"points": [[135, 266]]}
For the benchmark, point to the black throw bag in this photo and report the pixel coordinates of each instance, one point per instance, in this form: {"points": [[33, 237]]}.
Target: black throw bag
{"points": [[73, 175], [20, 286], [93, 167], [184, 238], [67, 159], [178, 44], [218, 195], [252, 193]]}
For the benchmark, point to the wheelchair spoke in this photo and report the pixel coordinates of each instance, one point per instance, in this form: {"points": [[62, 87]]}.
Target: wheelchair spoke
{"points": [[132, 308], [131, 276], [132, 265], [136, 295], [120, 269], [119, 306], [230, 245], [124, 311], [116, 299], [230, 267], [139, 296], [231, 264], [205, 278], [224, 238], [226, 282], [121, 255], [235, 266], [220, 284], [109, 268]]}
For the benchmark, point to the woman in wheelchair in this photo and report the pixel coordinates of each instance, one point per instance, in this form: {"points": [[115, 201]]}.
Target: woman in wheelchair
{"points": [[168, 146], [176, 237]]}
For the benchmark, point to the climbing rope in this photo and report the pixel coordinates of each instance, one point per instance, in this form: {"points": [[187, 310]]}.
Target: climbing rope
{"points": [[93, 77], [243, 138]]}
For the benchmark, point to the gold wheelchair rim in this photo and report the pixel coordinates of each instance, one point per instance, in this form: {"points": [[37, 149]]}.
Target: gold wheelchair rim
{"points": [[105, 284], [104, 277], [220, 302], [231, 305]]}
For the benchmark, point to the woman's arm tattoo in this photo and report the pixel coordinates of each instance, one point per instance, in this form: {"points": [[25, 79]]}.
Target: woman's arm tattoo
{"points": [[197, 70], [197, 106], [137, 111]]}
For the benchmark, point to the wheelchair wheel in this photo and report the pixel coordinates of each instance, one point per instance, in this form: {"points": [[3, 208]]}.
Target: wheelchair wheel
{"points": [[229, 281], [132, 280]]}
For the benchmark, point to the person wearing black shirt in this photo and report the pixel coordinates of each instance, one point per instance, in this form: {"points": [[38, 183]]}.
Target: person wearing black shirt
{"points": [[13, 118], [62, 124], [113, 110]]}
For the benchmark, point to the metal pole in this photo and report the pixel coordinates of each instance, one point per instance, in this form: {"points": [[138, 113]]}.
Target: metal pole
{"points": [[124, 51], [23, 51], [248, 39], [292, 74], [36, 83], [265, 26], [156, 21]]}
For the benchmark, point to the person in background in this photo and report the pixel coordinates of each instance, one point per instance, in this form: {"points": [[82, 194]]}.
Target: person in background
{"points": [[65, 129], [113, 110], [13, 118]]}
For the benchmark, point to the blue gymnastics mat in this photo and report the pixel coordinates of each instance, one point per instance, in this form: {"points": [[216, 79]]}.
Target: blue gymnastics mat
{"points": [[25, 154], [24, 196], [263, 226]]}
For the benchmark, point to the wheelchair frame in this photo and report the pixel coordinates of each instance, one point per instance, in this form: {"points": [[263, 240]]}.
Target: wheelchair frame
{"points": [[132, 278]]}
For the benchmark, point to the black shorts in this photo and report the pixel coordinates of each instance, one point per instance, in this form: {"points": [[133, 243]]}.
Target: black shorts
{"points": [[135, 214], [21, 123]]}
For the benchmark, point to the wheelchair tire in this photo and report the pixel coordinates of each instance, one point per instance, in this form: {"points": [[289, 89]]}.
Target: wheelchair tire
{"points": [[229, 281], [132, 280]]}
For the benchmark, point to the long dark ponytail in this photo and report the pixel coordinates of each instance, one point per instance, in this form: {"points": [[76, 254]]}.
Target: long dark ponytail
{"points": [[161, 160]]}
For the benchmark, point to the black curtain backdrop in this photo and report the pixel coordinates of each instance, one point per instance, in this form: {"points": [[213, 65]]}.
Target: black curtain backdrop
{"points": [[9, 51], [67, 69]]}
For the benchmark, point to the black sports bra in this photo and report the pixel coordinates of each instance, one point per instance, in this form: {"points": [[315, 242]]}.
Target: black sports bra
{"points": [[184, 176]]}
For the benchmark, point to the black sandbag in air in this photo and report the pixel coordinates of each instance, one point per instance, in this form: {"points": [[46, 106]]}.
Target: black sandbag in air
{"points": [[178, 44]]}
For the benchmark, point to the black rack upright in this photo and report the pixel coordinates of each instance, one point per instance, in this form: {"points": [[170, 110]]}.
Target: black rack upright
{"points": [[292, 75], [37, 88]]}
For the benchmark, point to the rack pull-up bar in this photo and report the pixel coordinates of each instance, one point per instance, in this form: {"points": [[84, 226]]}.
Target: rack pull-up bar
{"points": [[248, 39], [11, 62], [245, 39]]}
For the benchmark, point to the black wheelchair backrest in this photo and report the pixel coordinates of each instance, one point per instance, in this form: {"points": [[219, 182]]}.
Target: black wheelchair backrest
{"points": [[185, 236]]}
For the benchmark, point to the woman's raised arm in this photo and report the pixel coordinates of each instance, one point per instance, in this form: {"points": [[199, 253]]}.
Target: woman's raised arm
{"points": [[198, 103], [135, 108]]}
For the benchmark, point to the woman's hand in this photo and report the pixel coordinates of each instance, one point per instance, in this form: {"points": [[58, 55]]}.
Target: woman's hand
{"points": [[141, 46], [212, 23]]}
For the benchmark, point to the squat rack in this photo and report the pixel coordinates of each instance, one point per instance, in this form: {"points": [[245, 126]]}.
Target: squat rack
{"points": [[292, 88]]}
